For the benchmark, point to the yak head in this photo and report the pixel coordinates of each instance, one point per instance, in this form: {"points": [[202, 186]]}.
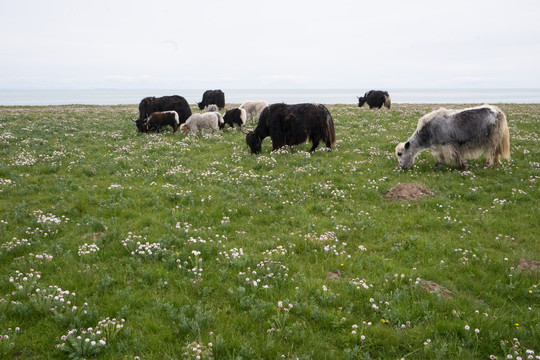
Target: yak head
{"points": [[142, 124], [254, 142], [405, 155], [184, 128], [200, 105], [361, 101]]}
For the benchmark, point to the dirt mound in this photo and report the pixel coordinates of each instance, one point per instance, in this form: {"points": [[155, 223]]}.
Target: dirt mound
{"points": [[529, 266], [408, 192], [432, 287]]}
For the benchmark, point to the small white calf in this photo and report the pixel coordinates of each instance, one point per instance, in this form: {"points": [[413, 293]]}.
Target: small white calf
{"points": [[253, 108], [199, 122]]}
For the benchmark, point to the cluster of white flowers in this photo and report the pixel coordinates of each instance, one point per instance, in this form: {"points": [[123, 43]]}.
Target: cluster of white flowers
{"points": [[148, 249], [86, 249], [232, 254], [10, 245], [49, 218]]}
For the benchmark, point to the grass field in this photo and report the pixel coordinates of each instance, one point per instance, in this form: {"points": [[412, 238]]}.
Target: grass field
{"points": [[120, 245]]}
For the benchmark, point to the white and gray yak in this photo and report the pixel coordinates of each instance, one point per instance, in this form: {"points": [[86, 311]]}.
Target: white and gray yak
{"points": [[457, 135], [199, 122], [212, 108], [253, 108]]}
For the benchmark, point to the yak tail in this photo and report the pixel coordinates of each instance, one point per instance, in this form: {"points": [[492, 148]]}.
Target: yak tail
{"points": [[387, 101], [330, 131], [502, 128]]}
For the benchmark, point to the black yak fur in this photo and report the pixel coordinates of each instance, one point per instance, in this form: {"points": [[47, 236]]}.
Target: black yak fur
{"points": [[152, 104], [234, 116], [160, 119], [293, 125], [210, 97], [375, 99]]}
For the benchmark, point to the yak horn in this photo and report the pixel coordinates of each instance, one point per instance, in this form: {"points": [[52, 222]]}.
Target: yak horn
{"points": [[242, 130]]}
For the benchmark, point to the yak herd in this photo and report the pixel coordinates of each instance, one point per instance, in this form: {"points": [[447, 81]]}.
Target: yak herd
{"points": [[451, 136]]}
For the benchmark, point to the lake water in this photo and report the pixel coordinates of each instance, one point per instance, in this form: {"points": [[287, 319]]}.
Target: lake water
{"points": [[291, 96]]}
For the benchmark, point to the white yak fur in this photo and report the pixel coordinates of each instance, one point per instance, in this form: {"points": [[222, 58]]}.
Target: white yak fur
{"points": [[253, 108], [199, 122], [457, 135]]}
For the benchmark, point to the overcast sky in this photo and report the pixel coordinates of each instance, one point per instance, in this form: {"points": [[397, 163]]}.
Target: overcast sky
{"points": [[269, 44]]}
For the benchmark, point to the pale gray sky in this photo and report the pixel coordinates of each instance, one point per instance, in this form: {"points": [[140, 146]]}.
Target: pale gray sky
{"points": [[269, 44]]}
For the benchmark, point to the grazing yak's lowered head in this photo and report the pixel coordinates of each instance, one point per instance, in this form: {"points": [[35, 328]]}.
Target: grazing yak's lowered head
{"points": [[375, 99], [210, 97], [457, 136], [293, 125]]}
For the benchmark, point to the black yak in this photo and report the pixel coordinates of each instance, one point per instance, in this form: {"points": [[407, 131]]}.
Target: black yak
{"points": [[375, 99], [152, 104], [235, 116], [459, 135], [159, 119], [293, 125], [210, 97]]}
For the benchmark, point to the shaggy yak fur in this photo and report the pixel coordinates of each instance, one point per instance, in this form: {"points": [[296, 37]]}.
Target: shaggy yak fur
{"points": [[199, 122], [152, 104], [210, 97], [375, 99], [253, 108], [293, 125], [159, 119], [235, 116], [212, 108], [459, 135]]}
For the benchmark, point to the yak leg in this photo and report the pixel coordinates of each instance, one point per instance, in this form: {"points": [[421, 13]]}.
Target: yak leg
{"points": [[315, 144], [276, 145], [460, 162], [492, 156], [439, 157]]}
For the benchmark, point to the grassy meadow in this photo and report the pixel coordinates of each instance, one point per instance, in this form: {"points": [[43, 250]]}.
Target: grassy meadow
{"points": [[120, 245]]}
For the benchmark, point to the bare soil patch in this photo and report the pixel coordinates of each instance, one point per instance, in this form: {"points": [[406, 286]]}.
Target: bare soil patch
{"points": [[95, 236], [432, 287], [528, 266], [409, 192]]}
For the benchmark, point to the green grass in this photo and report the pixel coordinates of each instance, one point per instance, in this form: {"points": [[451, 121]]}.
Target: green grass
{"points": [[311, 230]]}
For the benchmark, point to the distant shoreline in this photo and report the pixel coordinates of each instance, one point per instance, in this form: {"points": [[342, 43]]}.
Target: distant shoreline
{"points": [[33, 97]]}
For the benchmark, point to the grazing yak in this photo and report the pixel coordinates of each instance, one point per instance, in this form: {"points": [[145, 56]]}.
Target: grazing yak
{"points": [[212, 108], [375, 99], [459, 135], [235, 116], [198, 122], [152, 104], [159, 119], [210, 97], [293, 125], [253, 108]]}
